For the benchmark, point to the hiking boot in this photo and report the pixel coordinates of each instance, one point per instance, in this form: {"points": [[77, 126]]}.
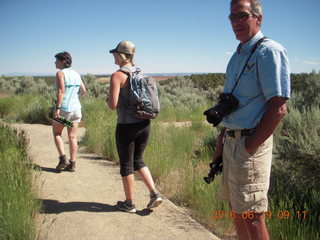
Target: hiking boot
{"points": [[155, 201], [62, 162], [71, 167], [125, 207]]}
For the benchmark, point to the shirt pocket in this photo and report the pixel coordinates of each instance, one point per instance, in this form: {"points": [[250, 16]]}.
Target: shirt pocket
{"points": [[249, 85]]}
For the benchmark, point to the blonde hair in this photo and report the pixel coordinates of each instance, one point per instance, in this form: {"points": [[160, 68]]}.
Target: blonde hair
{"points": [[124, 58]]}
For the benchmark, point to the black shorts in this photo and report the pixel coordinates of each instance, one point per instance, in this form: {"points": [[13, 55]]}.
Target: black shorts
{"points": [[131, 141]]}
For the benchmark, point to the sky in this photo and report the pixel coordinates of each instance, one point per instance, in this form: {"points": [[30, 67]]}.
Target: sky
{"points": [[171, 36]]}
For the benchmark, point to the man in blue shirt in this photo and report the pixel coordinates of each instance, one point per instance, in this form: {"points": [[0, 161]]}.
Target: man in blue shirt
{"points": [[262, 90]]}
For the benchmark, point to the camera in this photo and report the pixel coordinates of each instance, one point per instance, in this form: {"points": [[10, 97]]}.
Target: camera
{"points": [[215, 168], [227, 104]]}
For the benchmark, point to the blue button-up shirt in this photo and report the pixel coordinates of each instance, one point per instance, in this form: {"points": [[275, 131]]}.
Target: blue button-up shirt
{"points": [[266, 75]]}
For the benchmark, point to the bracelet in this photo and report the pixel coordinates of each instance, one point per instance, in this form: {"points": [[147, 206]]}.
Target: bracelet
{"points": [[58, 107]]}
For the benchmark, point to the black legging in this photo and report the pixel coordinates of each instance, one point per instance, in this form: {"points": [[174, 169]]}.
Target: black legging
{"points": [[131, 140]]}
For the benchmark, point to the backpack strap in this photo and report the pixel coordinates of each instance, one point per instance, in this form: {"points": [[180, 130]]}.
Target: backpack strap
{"points": [[130, 74], [128, 70], [125, 70]]}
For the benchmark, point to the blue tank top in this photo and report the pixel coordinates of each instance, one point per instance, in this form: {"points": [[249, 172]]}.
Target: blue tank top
{"points": [[72, 80]]}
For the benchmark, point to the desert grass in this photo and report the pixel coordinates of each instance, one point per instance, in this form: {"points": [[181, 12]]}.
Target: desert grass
{"points": [[18, 201], [100, 123], [293, 219]]}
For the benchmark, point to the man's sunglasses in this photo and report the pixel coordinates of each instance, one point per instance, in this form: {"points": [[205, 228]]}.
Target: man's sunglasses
{"points": [[242, 16]]}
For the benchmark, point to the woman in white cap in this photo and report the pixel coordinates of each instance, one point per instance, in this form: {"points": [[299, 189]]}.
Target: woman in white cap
{"points": [[131, 133]]}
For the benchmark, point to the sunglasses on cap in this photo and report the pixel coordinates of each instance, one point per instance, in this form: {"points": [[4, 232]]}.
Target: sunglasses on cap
{"points": [[242, 16]]}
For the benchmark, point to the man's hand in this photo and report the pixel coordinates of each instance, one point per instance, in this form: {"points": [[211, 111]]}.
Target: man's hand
{"points": [[219, 146]]}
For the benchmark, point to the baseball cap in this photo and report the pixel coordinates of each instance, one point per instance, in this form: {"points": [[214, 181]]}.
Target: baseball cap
{"points": [[124, 47]]}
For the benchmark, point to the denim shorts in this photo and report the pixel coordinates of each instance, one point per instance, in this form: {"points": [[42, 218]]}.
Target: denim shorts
{"points": [[245, 177]]}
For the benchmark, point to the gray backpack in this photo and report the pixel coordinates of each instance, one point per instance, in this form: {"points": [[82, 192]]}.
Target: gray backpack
{"points": [[144, 99]]}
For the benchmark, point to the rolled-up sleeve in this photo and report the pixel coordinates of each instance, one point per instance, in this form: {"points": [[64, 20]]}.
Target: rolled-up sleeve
{"points": [[274, 71]]}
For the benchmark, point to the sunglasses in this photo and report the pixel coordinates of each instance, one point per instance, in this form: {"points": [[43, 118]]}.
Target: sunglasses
{"points": [[242, 16]]}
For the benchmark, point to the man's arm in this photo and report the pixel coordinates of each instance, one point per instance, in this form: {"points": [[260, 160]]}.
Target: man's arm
{"points": [[277, 109]]}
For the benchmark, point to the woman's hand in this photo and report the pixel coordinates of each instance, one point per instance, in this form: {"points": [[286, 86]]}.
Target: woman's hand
{"points": [[56, 113], [82, 88]]}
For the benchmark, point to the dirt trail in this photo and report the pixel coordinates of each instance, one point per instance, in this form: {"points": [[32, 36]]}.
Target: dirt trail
{"points": [[81, 205]]}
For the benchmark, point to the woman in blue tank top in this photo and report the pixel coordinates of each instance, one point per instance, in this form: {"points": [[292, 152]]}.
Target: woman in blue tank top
{"points": [[68, 106], [131, 133]]}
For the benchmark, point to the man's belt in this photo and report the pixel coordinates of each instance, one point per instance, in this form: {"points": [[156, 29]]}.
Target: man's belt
{"points": [[239, 133]]}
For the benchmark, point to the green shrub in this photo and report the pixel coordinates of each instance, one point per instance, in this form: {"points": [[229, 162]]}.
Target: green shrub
{"points": [[37, 112], [26, 108], [25, 84], [180, 100], [7, 106], [95, 88], [297, 161], [297, 149], [308, 87]]}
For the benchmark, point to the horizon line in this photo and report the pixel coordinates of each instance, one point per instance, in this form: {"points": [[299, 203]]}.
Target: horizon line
{"points": [[18, 74]]}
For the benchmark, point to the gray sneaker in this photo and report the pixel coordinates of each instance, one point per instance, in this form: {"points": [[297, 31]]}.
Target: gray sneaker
{"points": [[62, 163], [125, 207], [154, 201]]}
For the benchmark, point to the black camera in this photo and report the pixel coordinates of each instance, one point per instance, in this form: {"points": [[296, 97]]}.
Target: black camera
{"points": [[226, 105], [215, 168]]}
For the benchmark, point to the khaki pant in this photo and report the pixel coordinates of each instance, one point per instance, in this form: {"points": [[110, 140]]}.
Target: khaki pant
{"points": [[245, 177]]}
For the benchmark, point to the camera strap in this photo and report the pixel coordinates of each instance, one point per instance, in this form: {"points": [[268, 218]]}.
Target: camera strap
{"points": [[252, 51]]}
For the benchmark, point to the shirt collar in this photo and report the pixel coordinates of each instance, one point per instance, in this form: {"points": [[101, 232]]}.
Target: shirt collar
{"points": [[246, 48]]}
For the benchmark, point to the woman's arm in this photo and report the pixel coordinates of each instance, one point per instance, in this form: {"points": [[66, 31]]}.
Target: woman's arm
{"points": [[117, 80], [60, 93], [82, 88]]}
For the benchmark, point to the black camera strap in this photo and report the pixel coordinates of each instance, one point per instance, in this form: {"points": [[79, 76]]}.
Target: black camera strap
{"points": [[252, 51]]}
